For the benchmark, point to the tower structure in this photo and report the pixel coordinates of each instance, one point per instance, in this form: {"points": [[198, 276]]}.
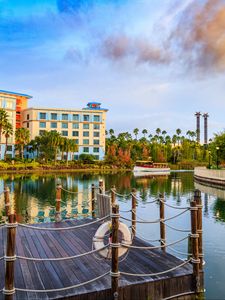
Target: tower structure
{"points": [[198, 115], [205, 116]]}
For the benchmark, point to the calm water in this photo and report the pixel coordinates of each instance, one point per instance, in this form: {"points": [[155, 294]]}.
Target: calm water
{"points": [[33, 199]]}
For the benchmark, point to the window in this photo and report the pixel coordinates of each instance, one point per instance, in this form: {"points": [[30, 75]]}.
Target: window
{"points": [[75, 125], [96, 118], [96, 134], [75, 133], [9, 148], [96, 142], [96, 157], [86, 150], [86, 118], [65, 117], [42, 125], [76, 141], [28, 117], [64, 125], [9, 104], [86, 133], [85, 126], [41, 132], [75, 117], [76, 157], [86, 141], [96, 150], [64, 133], [42, 115], [53, 125], [28, 124], [53, 116], [96, 126]]}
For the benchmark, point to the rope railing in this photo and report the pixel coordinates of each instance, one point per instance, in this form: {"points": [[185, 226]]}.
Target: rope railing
{"points": [[64, 288], [122, 195], [2, 225], [158, 273], [176, 229], [140, 199], [144, 238], [173, 217], [61, 258], [178, 251], [63, 228], [172, 206], [142, 222], [154, 247]]}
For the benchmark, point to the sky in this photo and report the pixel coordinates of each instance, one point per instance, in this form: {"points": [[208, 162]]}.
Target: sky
{"points": [[152, 63]]}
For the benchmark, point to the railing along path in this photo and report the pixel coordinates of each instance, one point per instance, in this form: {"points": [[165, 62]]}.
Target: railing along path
{"points": [[196, 256]]}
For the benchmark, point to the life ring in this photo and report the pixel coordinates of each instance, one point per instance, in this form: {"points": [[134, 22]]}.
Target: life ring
{"points": [[98, 239]]}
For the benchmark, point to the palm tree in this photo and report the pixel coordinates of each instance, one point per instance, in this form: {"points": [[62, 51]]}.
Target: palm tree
{"points": [[158, 131], [3, 121], [111, 132], [7, 131], [144, 132], [136, 131], [54, 141], [22, 138], [178, 132]]}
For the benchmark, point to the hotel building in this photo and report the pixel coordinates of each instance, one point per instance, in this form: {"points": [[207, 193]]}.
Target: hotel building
{"points": [[13, 104], [86, 126]]}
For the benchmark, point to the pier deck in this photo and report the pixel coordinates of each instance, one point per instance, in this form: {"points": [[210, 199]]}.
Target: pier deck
{"points": [[58, 274]]}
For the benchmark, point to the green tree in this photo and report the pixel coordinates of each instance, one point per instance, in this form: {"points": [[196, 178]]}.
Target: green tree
{"points": [[144, 132], [22, 136], [7, 131], [3, 121], [136, 131]]}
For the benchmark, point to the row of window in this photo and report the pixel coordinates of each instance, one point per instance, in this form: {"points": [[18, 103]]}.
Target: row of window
{"points": [[65, 117], [65, 125], [75, 134]]}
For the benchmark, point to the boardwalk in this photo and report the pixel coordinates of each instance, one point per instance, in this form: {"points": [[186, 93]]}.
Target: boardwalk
{"points": [[46, 275]]}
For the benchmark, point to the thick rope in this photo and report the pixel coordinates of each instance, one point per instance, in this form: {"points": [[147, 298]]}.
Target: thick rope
{"points": [[125, 211], [122, 195], [63, 228], [144, 221], [159, 273], [153, 247], [71, 192], [64, 288], [179, 295], [140, 199], [172, 206], [173, 217], [2, 225], [143, 238], [176, 229], [61, 258]]}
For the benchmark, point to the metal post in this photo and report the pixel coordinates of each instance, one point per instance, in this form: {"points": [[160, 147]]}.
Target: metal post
{"points": [[194, 236], [93, 201], [7, 201], [115, 252], [134, 205], [100, 186], [113, 194], [58, 216], [10, 257], [197, 198], [162, 217]]}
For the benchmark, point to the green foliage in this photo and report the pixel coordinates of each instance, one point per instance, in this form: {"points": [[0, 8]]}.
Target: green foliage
{"points": [[87, 158]]}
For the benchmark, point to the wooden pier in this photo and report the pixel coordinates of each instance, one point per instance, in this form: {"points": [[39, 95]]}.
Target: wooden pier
{"points": [[52, 276]]}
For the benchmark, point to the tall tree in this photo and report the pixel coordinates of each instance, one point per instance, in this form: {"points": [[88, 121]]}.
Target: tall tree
{"points": [[7, 131], [3, 121], [22, 138], [136, 131], [144, 132]]}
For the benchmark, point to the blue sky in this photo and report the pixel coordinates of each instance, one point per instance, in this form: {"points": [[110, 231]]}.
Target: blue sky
{"points": [[149, 62]]}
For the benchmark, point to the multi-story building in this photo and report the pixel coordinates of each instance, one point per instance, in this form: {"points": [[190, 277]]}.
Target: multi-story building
{"points": [[13, 104], [86, 126]]}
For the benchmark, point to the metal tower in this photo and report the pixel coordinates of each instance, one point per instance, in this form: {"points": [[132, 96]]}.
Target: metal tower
{"points": [[205, 116], [198, 114]]}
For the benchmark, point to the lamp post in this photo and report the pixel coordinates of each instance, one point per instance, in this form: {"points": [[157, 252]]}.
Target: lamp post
{"points": [[217, 157], [209, 159]]}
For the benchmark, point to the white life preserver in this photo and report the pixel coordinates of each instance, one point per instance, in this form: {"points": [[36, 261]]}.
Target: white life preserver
{"points": [[98, 239]]}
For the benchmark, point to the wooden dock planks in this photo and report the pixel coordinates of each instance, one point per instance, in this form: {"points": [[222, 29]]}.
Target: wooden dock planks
{"points": [[58, 274]]}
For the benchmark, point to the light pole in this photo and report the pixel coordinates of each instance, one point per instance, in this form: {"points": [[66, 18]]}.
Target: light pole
{"points": [[209, 159], [217, 156]]}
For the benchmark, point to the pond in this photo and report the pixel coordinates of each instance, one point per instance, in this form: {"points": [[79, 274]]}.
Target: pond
{"points": [[33, 199]]}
